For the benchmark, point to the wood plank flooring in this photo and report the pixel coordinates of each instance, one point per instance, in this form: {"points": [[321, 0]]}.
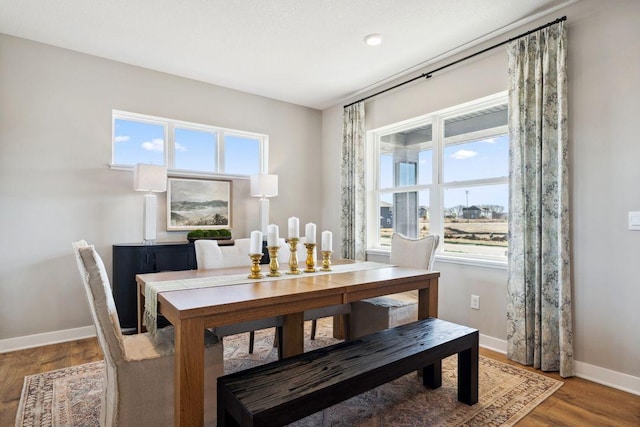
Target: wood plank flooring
{"points": [[577, 403]]}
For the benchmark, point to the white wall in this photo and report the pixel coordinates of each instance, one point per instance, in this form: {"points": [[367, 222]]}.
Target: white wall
{"points": [[56, 187], [604, 88]]}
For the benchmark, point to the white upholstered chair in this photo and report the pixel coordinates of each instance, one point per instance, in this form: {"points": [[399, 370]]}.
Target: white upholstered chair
{"points": [[138, 369], [210, 255], [375, 314]]}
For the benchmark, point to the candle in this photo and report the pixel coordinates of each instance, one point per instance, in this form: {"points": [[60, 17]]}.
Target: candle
{"points": [[326, 240], [272, 235], [256, 242], [294, 231], [310, 233]]}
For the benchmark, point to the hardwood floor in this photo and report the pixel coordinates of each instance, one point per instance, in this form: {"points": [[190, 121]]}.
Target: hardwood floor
{"points": [[578, 402]]}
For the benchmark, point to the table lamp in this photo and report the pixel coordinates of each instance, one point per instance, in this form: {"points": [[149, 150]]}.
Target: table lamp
{"points": [[264, 186], [153, 179]]}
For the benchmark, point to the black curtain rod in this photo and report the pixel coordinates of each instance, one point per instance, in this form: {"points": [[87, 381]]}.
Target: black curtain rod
{"points": [[428, 75]]}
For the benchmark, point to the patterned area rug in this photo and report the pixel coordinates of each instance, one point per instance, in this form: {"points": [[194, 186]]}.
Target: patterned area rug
{"points": [[71, 396]]}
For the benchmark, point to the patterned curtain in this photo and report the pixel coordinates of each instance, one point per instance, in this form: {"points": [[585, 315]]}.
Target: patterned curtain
{"points": [[539, 331], [353, 196]]}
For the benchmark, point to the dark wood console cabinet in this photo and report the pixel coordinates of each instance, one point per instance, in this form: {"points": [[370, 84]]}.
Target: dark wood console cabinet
{"points": [[135, 258]]}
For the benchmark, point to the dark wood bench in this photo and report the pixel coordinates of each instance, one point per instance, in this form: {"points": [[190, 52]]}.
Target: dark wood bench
{"points": [[281, 392]]}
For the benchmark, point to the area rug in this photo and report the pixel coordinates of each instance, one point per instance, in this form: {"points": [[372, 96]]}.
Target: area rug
{"points": [[71, 396]]}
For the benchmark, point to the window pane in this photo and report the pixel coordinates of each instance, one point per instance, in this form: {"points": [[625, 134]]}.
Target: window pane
{"points": [[484, 158], [406, 149], [138, 142], [403, 212], [476, 220], [195, 150], [241, 155]]}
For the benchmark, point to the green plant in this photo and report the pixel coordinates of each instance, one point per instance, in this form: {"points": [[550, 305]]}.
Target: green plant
{"points": [[197, 234]]}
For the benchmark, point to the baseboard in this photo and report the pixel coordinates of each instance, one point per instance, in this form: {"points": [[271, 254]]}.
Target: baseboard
{"points": [[607, 377], [599, 375], [494, 344], [47, 338]]}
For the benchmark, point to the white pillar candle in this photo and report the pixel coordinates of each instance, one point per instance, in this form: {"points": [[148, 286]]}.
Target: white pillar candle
{"points": [[256, 242], [273, 235], [310, 233], [294, 225], [326, 240]]}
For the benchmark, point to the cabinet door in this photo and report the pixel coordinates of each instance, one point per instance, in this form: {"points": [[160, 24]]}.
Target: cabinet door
{"points": [[127, 262], [173, 257]]}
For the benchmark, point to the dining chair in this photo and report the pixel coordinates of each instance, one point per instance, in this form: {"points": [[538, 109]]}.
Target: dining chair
{"points": [[210, 255], [375, 314], [138, 384]]}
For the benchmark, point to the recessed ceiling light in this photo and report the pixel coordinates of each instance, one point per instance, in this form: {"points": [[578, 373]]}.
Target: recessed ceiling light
{"points": [[373, 39]]}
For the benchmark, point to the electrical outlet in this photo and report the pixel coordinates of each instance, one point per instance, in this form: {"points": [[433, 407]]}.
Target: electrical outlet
{"points": [[475, 302]]}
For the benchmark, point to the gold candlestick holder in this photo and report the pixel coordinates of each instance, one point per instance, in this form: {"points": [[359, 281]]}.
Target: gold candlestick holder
{"points": [[311, 262], [256, 273], [326, 260], [293, 257], [274, 266]]}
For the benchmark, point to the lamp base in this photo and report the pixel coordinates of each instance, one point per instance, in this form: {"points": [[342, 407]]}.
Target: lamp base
{"points": [[149, 221]]}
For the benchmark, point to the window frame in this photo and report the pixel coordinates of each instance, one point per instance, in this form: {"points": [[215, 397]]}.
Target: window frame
{"points": [[437, 187], [169, 144]]}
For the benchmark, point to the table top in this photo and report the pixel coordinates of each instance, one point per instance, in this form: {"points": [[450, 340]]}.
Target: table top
{"points": [[342, 287]]}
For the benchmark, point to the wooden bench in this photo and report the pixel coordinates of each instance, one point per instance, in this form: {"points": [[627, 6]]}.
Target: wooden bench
{"points": [[281, 392]]}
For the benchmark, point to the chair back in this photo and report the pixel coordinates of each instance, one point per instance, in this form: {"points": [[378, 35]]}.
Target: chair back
{"points": [[105, 318], [413, 253], [210, 255], [101, 303]]}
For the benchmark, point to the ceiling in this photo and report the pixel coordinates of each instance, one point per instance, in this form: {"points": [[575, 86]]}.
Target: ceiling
{"points": [[306, 52]]}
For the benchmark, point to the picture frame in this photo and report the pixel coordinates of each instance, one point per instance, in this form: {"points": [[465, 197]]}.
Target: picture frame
{"points": [[198, 204]]}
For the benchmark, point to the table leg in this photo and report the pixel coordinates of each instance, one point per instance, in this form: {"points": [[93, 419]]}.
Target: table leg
{"points": [[428, 307], [428, 300], [292, 334], [189, 373]]}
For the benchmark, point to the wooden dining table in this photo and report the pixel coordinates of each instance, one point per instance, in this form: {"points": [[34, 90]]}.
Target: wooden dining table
{"points": [[192, 310]]}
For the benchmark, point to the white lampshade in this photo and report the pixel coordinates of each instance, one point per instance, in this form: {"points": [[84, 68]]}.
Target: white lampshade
{"points": [[264, 185], [150, 178]]}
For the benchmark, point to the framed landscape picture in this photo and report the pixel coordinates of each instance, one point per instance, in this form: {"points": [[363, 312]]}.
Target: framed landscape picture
{"points": [[193, 204]]}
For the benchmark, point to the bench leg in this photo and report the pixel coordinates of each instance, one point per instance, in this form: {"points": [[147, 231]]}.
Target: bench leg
{"points": [[432, 375], [224, 418], [468, 375]]}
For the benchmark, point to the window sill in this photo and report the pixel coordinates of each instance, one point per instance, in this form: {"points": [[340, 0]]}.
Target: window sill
{"points": [[475, 262], [176, 173]]}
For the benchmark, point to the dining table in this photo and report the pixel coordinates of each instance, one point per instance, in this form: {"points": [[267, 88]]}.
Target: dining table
{"points": [[193, 300]]}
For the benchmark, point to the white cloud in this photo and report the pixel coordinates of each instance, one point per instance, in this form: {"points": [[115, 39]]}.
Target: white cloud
{"points": [[464, 154], [180, 147], [491, 140], [122, 138], [154, 145]]}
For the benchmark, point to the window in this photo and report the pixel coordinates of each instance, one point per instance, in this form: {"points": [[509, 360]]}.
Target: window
{"points": [[186, 147], [444, 173]]}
